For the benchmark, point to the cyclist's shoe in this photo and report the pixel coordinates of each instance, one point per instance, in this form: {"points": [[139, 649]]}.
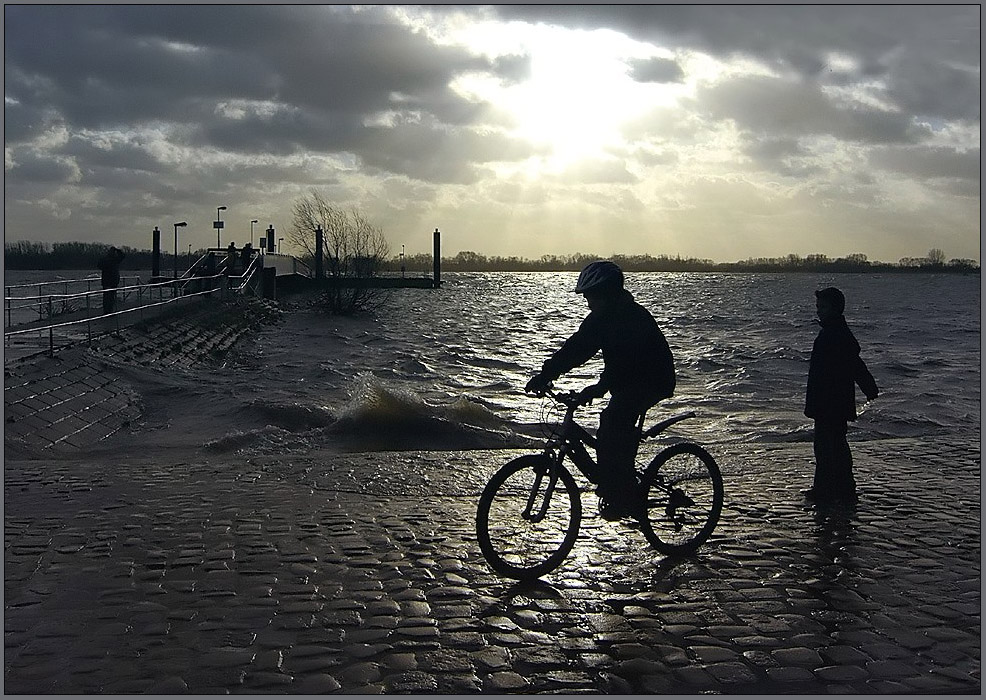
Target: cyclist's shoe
{"points": [[613, 511]]}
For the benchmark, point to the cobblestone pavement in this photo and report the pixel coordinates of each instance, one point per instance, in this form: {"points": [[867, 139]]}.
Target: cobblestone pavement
{"points": [[318, 572]]}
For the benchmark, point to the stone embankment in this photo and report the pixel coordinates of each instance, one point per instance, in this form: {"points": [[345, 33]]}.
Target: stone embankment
{"points": [[360, 573], [71, 401]]}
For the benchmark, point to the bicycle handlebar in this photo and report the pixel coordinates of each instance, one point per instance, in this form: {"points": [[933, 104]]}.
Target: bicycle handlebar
{"points": [[567, 398]]}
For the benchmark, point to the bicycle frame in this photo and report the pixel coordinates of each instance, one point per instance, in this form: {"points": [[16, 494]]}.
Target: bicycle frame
{"points": [[529, 513], [571, 442]]}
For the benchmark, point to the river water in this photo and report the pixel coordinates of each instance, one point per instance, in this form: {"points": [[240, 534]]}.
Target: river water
{"points": [[445, 369]]}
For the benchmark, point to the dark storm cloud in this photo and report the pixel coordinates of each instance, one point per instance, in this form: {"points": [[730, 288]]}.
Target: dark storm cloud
{"points": [[774, 148], [22, 123], [656, 70], [324, 69], [428, 153], [929, 162], [129, 156], [95, 71], [513, 68], [782, 108], [44, 168]]}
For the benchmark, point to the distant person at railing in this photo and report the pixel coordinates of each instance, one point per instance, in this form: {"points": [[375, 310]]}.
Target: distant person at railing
{"points": [[231, 258], [109, 266], [246, 254]]}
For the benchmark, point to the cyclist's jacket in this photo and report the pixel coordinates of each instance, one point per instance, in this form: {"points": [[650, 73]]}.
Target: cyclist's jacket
{"points": [[834, 370], [638, 362]]}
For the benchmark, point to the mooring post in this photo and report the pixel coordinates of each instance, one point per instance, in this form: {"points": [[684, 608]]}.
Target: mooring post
{"points": [[156, 252], [438, 259], [319, 235]]}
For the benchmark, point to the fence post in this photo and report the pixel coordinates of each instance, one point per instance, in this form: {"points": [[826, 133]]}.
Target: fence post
{"points": [[89, 318], [9, 322], [51, 332]]}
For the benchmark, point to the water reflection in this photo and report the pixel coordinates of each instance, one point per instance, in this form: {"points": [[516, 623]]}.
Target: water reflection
{"points": [[837, 572]]}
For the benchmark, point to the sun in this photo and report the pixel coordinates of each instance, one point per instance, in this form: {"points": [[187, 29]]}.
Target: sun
{"points": [[567, 105], [578, 94]]}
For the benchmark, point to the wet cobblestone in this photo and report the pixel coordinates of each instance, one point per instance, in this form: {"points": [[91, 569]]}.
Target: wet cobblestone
{"points": [[125, 577]]}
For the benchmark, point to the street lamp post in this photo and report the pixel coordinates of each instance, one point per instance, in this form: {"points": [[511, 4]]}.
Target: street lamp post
{"points": [[218, 225], [252, 222], [188, 260], [402, 259], [177, 226]]}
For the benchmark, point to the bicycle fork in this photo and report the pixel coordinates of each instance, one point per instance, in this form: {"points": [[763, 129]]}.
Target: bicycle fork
{"points": [[552, 473]]}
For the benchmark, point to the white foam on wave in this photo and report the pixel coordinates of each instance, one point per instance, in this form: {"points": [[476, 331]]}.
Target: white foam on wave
{"points": [[382, 416]]}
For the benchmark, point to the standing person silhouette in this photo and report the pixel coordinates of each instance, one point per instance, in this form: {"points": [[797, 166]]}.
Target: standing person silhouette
{"points": [[834, 371], [638, 372], [231, 258], [109, 266]]}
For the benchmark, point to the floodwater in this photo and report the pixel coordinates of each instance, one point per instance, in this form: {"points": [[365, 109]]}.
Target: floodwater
{"points": [[445, 369]]}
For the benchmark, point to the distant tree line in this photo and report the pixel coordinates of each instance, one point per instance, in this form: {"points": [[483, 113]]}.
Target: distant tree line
{"points": [[29, 255], [26, 255], [468, 261]]}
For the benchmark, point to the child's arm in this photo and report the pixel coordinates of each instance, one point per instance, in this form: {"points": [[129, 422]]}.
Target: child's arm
{"points": [[865, 380]]}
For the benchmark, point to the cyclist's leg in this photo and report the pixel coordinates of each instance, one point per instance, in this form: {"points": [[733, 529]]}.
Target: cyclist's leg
{"points": [[616, 448]]}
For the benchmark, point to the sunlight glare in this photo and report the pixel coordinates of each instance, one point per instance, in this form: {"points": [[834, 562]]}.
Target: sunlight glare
{"points": [[577, 96]]}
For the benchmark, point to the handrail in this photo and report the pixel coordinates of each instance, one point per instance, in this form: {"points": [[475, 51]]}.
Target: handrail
{"points": [[91, 278], [92, 292], [256, 264], [180, 294], [77, 321], [62, 305], [8, 287]]}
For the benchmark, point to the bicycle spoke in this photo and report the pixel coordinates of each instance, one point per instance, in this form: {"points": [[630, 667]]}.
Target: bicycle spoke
{"points": [[523, 541], [684, 499]]}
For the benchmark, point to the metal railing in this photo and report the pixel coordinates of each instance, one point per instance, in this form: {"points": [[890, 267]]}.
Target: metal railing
{"points": [[20, 309], [251, 281], [66, 319], [87, 321], [287, 264]]}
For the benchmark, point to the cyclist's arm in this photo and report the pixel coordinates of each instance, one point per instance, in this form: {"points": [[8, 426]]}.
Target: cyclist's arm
{"points": [[577, 350], [592, 392]]}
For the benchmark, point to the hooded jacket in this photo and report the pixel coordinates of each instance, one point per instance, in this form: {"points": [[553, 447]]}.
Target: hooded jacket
{"points": [[636, 356], [834, 371]]}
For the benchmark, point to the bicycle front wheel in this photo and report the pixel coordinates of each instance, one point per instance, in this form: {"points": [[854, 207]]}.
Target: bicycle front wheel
{"points": [[684, 493], [528, 517]]}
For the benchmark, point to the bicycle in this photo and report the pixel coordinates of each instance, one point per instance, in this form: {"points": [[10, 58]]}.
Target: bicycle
{"points": [[530, 511]]}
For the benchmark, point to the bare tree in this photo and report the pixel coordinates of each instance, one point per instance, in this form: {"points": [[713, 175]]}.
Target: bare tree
{"points": [[936, 256], [354, 251]]}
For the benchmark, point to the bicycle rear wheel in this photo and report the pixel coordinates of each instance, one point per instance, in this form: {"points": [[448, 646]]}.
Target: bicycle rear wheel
{"points": [[520, 535], [683, 489]]}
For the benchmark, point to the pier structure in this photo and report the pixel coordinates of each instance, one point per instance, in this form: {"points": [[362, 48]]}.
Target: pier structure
{"points": [[46, 317]]}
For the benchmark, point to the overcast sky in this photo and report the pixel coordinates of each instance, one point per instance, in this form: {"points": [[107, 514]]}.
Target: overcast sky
{"points": [[723, 132]]}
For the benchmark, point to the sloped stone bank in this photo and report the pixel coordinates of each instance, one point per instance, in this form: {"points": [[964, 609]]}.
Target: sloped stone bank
{"points": [[75, 399]]}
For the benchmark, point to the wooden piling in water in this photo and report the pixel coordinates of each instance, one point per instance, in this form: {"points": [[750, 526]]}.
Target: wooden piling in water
{"points": [[438, 259]]}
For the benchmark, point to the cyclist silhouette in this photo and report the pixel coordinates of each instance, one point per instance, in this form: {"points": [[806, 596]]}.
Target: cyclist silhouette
{"points": [[638, 372]]}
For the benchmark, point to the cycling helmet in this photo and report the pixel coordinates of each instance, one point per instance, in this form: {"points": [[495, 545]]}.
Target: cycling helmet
{"points": [[599, 276]]}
